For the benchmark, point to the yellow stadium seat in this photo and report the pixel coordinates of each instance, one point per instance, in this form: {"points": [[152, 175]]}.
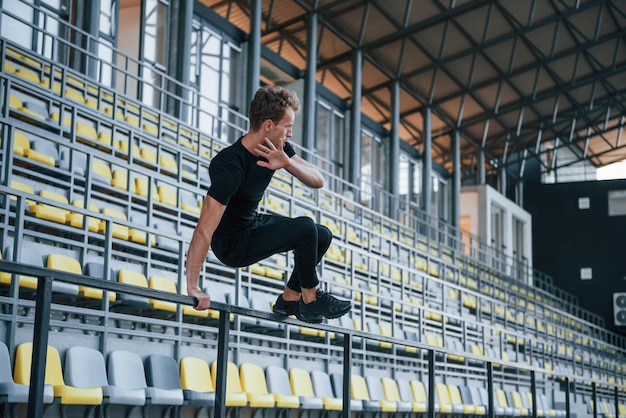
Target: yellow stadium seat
{"points": [[359, 392], [22, 187], [165, 285], [168, 163], [167, 195], [74, 95], [254, 385], [141, 188], [149, 155], [68, 395], [86, 131], [76, 219], [302, 386], [122, 146], [150, 130], [101, 171], [118, 231], [21, 144], [235, 396], [195, 380], [49, 212]]}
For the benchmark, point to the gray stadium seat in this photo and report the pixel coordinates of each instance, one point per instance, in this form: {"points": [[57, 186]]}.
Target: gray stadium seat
{"points": [[162, 378], [323, 388], [127, 379], [336, 380]]}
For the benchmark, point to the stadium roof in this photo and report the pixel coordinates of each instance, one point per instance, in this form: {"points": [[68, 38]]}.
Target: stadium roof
{"points": [[519, 78]]}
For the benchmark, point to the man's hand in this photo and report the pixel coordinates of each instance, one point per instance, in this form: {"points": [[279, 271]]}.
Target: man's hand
{"points": [[204, 300], [276, 158]]}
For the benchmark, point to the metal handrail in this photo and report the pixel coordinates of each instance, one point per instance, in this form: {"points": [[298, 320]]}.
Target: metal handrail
{"points": [[42, 319]]}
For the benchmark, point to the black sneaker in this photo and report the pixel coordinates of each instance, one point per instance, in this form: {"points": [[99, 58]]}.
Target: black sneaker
{"points": [[326, 305], [284, 307]]}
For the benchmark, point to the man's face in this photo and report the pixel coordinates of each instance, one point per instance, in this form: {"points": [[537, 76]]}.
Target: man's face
{"points": [[281, 131]]}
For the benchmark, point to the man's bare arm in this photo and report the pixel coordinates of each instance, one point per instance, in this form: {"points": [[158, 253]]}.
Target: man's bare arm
{"points": [[210, 216], [305, 172]]}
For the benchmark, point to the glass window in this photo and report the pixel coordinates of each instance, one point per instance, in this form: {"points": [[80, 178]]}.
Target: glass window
{"points": [[214, 72], [16, 17]]}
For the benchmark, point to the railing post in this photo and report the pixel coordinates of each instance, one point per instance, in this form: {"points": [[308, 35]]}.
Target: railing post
{"points": [[533, 392], [347, 371], [594, 398], [431, 383], [567, 397], [222, 364], [490, 401], [40, 347]]}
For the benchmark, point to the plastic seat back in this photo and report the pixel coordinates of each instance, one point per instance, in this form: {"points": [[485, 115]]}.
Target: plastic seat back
{"points": [[85, 367]]}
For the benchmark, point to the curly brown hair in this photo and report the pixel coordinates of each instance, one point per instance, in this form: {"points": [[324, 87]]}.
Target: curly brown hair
{"points": [[270, 102]]}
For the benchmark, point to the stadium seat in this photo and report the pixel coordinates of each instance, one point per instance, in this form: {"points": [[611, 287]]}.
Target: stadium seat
{"points": [[189, 203], [254, 384], [167, 195], [322, 387], [195, 380], [75, 219], [142, 188], [235, 396], [163, 380], [501, 405], [42, 151], [278, 384], [117, 230], [101, 171], [67, 264], [261, 301], [66, 394], [392, 394], [161, 308], [302, 386], [22, 187], [358, 391], [12, 392], [164, 240], [469, 399], [86, 132], [96, 271], [514, 399], [376, 393], [417, 397], [127, 379], [26, 257], [457, 399], [442, 397], [50, 212], [128, 303]]}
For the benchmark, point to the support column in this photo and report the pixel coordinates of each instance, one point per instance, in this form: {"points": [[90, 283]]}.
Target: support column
{"points": [[427, 166], [481, 167], [503, 181], [179, 59], [254, 49], [355, 120], [308, 106], [394, 149], [87, 19], [456, 179]]}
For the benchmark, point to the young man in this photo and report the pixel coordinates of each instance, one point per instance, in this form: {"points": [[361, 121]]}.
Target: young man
{"points": [[239, 236]]}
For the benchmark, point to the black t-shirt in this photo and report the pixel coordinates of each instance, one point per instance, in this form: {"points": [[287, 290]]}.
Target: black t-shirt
{"points": [[238, 182]]}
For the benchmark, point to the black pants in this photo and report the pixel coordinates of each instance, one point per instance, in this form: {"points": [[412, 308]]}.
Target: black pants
{"points": [[271, 234]]}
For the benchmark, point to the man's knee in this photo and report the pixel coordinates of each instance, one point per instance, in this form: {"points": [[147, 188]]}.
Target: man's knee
{"points": [[324, 234]]}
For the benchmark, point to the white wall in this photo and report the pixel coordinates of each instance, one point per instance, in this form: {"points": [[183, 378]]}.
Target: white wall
{"points": [[476, 213]]}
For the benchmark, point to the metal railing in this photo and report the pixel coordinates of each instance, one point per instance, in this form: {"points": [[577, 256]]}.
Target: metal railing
{"points": [[43, 305]]}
